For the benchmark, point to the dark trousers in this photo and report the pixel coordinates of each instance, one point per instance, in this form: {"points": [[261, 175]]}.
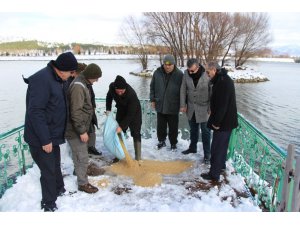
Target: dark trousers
{"points": [[134, 126], [219, 148], [51, 176], [164, 121], [194, 136]]}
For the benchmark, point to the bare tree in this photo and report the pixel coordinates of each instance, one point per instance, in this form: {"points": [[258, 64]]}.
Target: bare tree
{"points": [[215, 34], [209, 35], [170, 29], [135, 35], [253, 29]]}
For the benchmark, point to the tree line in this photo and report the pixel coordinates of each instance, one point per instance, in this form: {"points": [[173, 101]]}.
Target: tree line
{"points": [[207, 36]]}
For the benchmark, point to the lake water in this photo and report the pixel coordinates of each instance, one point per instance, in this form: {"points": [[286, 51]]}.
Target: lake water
{"points": [[273, 107]]}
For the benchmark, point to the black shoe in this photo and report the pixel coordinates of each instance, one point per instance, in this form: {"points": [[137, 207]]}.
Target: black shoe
{"points": [[48, 208], [173, 148], [61, 192], [161, 144], [92, 150], [115, 160], [206, 161], [207, 176], [188, 151]]}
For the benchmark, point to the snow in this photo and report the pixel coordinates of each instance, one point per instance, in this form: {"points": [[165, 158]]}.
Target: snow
{"points": [[173, 195], [246, 75]]}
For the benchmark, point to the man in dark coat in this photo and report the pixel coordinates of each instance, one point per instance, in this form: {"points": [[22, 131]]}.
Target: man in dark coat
{"points": [[165, 99], [45, 121], [223, 118], [129, 113]]}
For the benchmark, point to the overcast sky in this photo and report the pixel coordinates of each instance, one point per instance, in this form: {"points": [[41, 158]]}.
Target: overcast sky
{"points": [[101, 24]]}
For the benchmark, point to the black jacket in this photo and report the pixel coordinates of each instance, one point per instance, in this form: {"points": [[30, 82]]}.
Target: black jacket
{"points": [[223, 104], [165, 90], [128, 106], [46, 109]]}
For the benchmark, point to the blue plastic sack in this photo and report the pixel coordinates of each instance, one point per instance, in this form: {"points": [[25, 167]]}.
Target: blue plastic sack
{"points": [[111, 138]]}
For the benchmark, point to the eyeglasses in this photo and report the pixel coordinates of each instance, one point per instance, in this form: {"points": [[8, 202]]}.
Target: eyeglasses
{"points": [[193, 71]]}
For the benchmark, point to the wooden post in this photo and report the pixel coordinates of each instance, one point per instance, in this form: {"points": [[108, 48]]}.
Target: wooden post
{"points": [[286, 184], [296, 191]]}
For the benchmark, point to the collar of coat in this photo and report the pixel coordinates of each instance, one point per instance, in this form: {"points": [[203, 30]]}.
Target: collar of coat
{"points": [[219, 75], [56, 77]]}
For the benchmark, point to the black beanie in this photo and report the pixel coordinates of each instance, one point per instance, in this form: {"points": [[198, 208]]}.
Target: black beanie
{"points": [[92, 71], [66, 62], [120, 82]]}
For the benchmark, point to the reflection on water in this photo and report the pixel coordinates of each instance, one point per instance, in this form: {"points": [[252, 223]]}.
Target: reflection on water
{"points": [[273, 107]]}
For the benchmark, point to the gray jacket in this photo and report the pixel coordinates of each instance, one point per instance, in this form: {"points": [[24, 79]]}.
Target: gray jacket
{"points": [[80, 108], [196, 99], [165, 90]]}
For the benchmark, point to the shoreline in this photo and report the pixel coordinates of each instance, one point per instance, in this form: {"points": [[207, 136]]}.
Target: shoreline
{"points": [[119, 57]]}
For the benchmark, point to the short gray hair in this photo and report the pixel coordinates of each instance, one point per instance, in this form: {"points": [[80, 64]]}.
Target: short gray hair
{"points": [[191, 62], [214, 65]]}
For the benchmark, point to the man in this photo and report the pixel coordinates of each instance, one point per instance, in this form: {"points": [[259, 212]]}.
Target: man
{"points": [[165, 99], [194, 100], [223, 118], [45, 121], [92, 137], [129, 113], [80, 125]]}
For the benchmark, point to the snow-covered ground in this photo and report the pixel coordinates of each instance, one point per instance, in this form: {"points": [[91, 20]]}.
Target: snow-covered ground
{"points": [[186, 192], [245, 75]]}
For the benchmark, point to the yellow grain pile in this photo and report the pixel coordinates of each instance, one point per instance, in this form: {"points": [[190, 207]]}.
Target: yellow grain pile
{"points": [[147, 173]]}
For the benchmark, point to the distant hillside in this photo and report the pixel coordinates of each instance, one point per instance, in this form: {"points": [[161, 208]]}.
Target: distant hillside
{"points": [[37, 48], [291, 50], [29, 45], [17, 45]]}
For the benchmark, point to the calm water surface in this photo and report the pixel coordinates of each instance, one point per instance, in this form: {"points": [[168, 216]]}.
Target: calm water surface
{"points": [[273, 107]]}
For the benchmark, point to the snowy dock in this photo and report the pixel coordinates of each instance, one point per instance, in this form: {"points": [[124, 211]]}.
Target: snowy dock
{"points": [[184, 192]]}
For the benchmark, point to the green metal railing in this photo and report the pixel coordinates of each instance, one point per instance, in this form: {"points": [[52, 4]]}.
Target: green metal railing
{"points": [[260, 161], [14, 157], [253, 155]]}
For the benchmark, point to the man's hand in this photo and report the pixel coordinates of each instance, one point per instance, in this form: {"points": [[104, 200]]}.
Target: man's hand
{"points": [[84, 137], [153, 105], [47, 148], [119, 130], [216, 128], [183, 109]]}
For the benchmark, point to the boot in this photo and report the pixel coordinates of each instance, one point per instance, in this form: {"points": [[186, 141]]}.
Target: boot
{"points": [[137, 150], [161, 144], [92, 150], [88, 188]]}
